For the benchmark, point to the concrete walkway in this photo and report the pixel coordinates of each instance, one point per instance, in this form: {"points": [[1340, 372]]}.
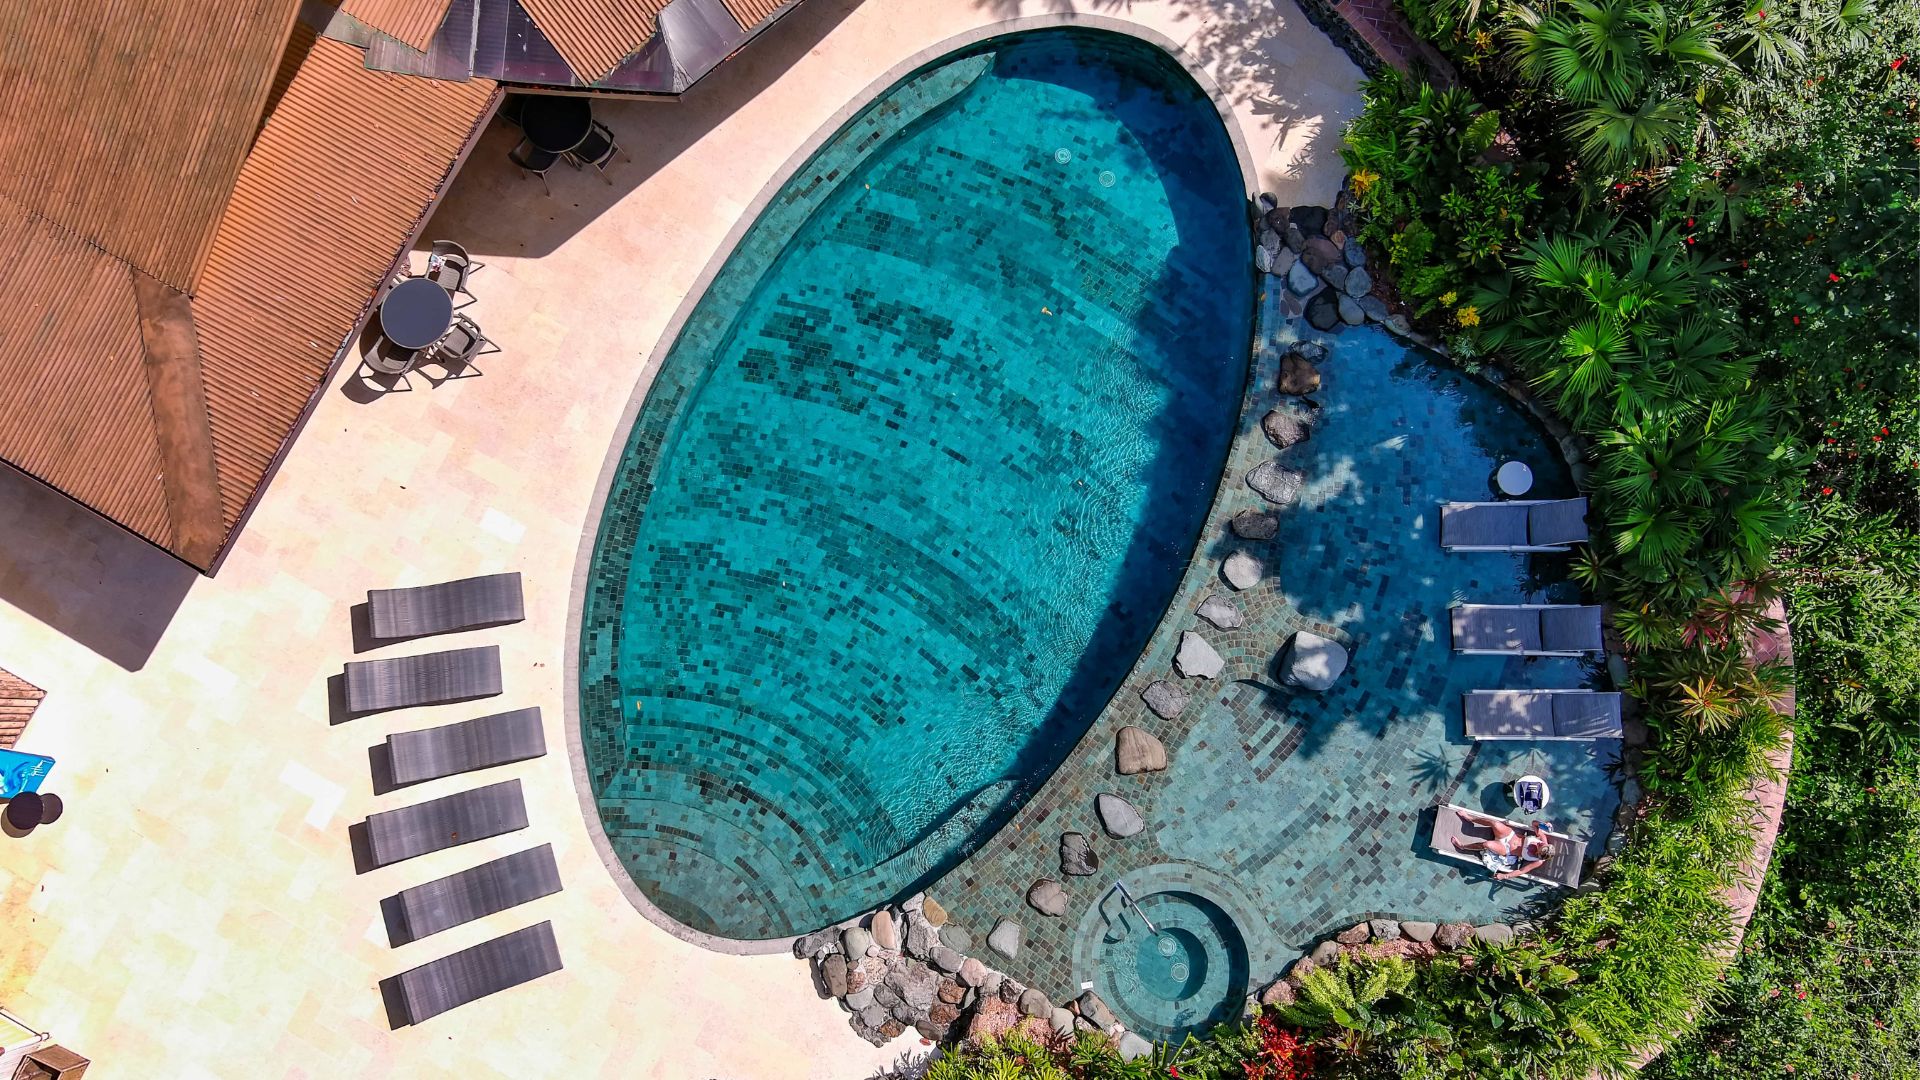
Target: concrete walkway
{"points": [[196, 912]]}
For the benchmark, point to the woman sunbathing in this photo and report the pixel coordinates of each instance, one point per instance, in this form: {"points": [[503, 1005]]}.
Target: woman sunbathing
{"points": [[1510, 853]]}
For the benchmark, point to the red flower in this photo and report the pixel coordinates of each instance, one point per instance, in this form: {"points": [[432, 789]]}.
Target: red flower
{"points": [[1173, 1070], [1826, 491], [1876, 438], [1689, 239], [1884, 431], [1898, 62], [1689, 223], [1796, 320]]}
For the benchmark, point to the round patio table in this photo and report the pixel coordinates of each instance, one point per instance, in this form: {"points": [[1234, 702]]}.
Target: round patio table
{"points": [[556, 124], [1515, 792], [416, 313], [25, 810], [1514, 478]]}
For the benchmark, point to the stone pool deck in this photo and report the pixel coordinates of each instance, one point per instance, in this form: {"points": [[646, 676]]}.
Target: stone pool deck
{"points": [[195, 913], [1303, 813]]}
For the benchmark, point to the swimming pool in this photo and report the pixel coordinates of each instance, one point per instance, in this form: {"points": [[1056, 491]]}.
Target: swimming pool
{"points": [[915, 482]]}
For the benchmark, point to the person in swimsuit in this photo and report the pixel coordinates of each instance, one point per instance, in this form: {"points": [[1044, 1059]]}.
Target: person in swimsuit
{"points": [[1523, 853]]}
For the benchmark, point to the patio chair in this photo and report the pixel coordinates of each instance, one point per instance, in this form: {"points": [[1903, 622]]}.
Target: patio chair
{"points": [[510, 108], [1526, 629], [597, 150], [1544, 715], [462, 343], [491, 887], [532, 159], [466, 604], [1515, 525], [430, 679], [471, 974], [449, 266], [386, 358], [1562, 867], [461, 818], [431, 753]]}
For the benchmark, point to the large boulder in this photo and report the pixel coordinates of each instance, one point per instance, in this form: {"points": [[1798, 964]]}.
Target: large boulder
{"points": [[1035, 1003], [1062, 1022], [973, 972], [1453, 935], [1350, 312], [1298, 375], [916, 983], [1196, 659], [1005, 938], [1278, 995], [1335, 276], [1251, 525], [1312, 661], [931, 911], [992, 1019], [947, 959], [1136, 751], [1165, 699], [1319, 255], [1118, 816], [1262, 258], [855, 941], [1384, 929], [1276, 483], [1311, 220], [1242, 571], [1373, 308], [1357, 934], [1353, 253], [884, 933], [1323, 954], [817, 944], [1323, 311], [1133, 1046], [1286, 426], [833, 974], [1359, 283], [1221, 612], [1094, 1009], [1077, 857], [1421, 932], [921, 936], [1494, 933], [1047, 897]]}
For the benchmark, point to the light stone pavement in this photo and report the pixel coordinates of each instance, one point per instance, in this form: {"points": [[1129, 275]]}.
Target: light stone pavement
{"points": [[196, 912]]}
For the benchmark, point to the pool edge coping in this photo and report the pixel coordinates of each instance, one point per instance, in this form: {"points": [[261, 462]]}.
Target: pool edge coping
{"points": [[670, 334]]}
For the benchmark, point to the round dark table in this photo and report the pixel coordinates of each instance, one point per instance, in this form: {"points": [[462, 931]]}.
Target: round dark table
{"points": [[416, 313], [25, 810], [556, 124]]}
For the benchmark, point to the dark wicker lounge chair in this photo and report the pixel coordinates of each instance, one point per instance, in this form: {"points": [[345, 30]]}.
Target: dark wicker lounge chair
{"points": [[460, 818], [1515, 525], [429, 679], [1526, 629], [1546, 715], [1562, 868], [431, 753], [467, 604], [516, 879], [471, 974]]}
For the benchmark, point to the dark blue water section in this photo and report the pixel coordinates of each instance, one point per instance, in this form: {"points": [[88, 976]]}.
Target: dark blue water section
{"points": [[915, 483]]}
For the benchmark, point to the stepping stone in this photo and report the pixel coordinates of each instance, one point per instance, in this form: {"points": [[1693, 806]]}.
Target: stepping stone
{"points": [[1118, 816], [1323, 311], [1165, 699], [1135, 751], [1297, 374], [1286, 426], [1255, 525], [1242, 571], [1221, 612], [1276, 483], [1048, 898], [1005, 940], [1077, 858], [1312, 661], [1196, 659]]}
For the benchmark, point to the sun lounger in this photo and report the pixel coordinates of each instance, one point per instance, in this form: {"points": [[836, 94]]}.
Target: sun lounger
{"points": [[467, 604], [416, 756], [472, 894], [431, 679], [1526, 629], [1562, 867], [460, 818], [471, 974], [1515, 525], [1548, 715]]}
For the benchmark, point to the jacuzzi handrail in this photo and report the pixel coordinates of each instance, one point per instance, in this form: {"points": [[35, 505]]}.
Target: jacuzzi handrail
{"points": [[1126, 898]]}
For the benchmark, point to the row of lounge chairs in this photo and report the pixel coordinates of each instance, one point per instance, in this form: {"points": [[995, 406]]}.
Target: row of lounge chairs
{"points": [[1524, 525], [415, 757]]}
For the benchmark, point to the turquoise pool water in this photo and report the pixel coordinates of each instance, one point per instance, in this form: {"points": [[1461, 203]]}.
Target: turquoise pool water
{"points": [[1172, 965], [915, 482]]}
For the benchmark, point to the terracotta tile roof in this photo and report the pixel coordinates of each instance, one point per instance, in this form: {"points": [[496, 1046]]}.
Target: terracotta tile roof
{"points": [[593, 36], [345, 169], [751, 13], [411, 21], [18, 699], [127, 120]]}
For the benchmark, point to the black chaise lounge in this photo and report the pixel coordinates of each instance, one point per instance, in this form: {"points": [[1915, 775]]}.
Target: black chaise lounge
{"points": [[431, 753], [1542, 715], [1526, 629], [467, 604], [1515, 525], [472, 894], [471, 974], [460, 818], [1562, 868], [430, 679]]}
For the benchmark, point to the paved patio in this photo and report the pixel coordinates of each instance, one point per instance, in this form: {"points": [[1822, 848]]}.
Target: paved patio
{"points": [[196, 913]]}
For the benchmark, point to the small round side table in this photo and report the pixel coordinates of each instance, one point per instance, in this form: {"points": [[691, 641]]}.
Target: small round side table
{"points": [[1514, 478]]}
